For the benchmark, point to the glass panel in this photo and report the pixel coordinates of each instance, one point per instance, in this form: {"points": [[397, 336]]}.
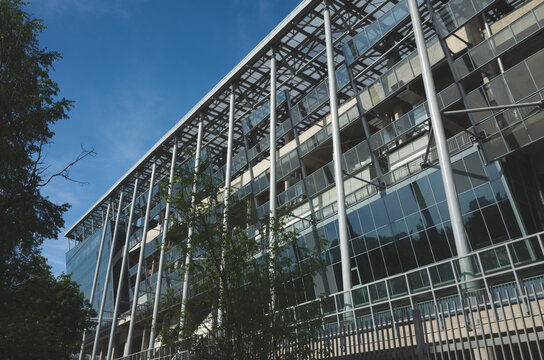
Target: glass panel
{"points": [[481, 53], [524, 26], [503, 40], [376, 92], [435, 52], [397, 286], [373, 32], [476, 230], [494, 222], [476, 99], [494, 260], [519, 81], [497, 92], [462, 10], [361, 42], [407, 259], [535, 66], [390, 82], [418, 281], [378, 291], [442, 274], [404, 72], [360, 296], [463, 66], [516, 136]]}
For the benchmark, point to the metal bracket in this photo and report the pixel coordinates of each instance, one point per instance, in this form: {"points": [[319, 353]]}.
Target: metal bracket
{"points": [[540, 104]]}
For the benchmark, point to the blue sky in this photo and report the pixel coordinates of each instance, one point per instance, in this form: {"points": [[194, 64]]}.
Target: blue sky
{"points": [[134, 68]]}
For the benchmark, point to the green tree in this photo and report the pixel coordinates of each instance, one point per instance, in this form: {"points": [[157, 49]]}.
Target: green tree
{"points": [[252, 284], [41, 317]]}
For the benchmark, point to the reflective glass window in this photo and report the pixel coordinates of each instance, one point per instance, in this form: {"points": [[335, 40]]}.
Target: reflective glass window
{"points": [[407, 259], [378, 265], [385, 234], [407, 200], [484, 195], [391, 258], [371, 240], [431, 216], [414, 223], [495, 225], [354, 225], [460, 176], [423, 193], [476, 230], [332, 236], [421, 248], [510, 219], [437, 186], [379, 212], [393, 206], [467, 202], [365, 271], [519, 81], [418, 280], [365, 216], [439, 243]]}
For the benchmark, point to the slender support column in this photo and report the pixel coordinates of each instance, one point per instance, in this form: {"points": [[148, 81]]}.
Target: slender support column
{"points": [[188, 258], [439, 134], [228, 170], [157, 300], [122, 273], [128, 344], [108, 273], [95, 279], [337, 160], [272, 201]]}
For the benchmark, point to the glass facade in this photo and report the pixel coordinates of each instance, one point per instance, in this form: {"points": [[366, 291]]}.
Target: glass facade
{"points": [[402, 251]]}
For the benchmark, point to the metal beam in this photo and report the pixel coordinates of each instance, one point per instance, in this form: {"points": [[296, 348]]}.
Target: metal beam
{"points": [[108, 273], [461, 243], [272, 201], [95, 278], [188, 258], [337, 159], [157, 300], [135, 294], [493, 108], [122, 273]]}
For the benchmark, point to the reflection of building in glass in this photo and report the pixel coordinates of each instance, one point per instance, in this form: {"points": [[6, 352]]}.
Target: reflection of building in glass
{"points": [[399, 245]]}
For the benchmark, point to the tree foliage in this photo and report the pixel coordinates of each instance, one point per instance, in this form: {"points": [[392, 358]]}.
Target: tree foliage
{"points": [[242, 288], [41, 316]]}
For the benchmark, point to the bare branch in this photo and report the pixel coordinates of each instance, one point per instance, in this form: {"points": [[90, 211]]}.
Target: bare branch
{"points": [[65, 173]]}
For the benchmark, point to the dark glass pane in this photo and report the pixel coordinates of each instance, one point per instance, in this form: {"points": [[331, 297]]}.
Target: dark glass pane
{"points": [[391, 259], [407, 259], [378, 266], [423, 193], [475, 169], [439, 243], [498, 189], [338, 276], [331, 234], [364, 268], [475, 227], [407, 200], [443, 210], [371, 240], [460, 176], [510, 219], [449, 234], [393, 206], [492, 171], [378, 291], [365, 216], [467, 202], [422, 248], [358, 245], [494, 222], [437, 185], [418, 280], [354, 225], [414, 223], [399, 229], [379, 212], [431, 216], [484, 195], [397, 286], [385, 234], [335, 254]]}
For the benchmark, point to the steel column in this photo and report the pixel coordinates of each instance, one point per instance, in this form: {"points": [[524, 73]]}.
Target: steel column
{"points": [[131, 324], [108, 272], [95, 279], [337, 159], [157, 301], [272, 201], [439, 134], [122, 273], [188, 259], [228, 170]]}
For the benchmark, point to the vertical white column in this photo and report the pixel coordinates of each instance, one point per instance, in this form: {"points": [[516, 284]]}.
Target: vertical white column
{"points": [[108, 272], [122, 273], [188, 258], [130, 335], [157, 300], [228, 171], [439, 134], [95, 278], [337, 160], [272, 141]]}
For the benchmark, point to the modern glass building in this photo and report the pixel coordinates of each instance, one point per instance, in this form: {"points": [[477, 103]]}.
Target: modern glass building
{"points": [[410, 140]]}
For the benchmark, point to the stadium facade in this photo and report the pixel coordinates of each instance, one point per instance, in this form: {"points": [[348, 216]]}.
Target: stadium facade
{"points": [[410, 140]]}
